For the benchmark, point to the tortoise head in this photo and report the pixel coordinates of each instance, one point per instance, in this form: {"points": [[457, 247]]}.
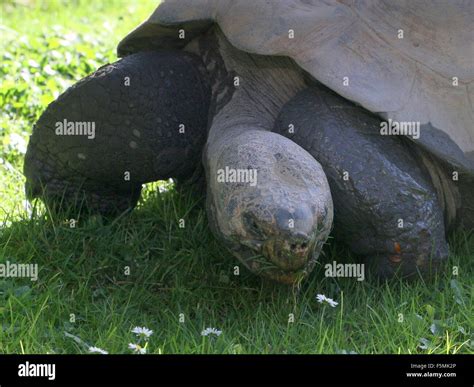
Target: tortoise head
{"points": [[271, 204]]}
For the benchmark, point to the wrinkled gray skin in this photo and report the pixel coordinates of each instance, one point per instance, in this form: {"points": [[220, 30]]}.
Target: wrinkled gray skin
{"points": [[276, 227], [287, 216]]}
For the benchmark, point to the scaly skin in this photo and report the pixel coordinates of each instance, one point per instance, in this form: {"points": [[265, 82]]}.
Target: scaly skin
{"points": [[137, 105], [278, 226], [384, 183]]}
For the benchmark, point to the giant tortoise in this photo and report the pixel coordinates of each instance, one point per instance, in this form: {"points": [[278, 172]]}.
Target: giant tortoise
{"points": [[295, 107]]}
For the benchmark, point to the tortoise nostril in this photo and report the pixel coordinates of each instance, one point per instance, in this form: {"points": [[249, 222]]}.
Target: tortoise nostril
{"points": [[297, 246]]}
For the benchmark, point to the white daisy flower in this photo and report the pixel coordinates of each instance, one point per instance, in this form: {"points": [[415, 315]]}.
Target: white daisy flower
{"points": [[18, 142], [142, 332], [162, 189], [97, 350], [211, 331], [137, 348], [322, 298], [425, 343]]}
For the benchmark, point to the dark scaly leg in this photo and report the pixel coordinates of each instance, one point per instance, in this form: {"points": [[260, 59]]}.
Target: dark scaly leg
{"points": [[138, 120], [385, 205]]}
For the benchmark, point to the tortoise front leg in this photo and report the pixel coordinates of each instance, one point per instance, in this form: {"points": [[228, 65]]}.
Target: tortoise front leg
{"points": [[386, 208], [138, 120]]}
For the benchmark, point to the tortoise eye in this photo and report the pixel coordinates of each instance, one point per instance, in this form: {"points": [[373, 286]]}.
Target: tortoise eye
{"points": [[251, 225]]}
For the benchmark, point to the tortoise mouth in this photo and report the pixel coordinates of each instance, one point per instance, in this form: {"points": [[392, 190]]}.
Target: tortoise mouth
{"points": [[282, 260], [288, 255]]}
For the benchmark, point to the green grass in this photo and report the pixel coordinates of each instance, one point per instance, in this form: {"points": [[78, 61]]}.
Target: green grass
{"points": [[82, 288]]}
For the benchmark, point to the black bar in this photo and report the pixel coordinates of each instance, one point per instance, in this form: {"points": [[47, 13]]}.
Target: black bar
{"points": [[240, 369]]}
